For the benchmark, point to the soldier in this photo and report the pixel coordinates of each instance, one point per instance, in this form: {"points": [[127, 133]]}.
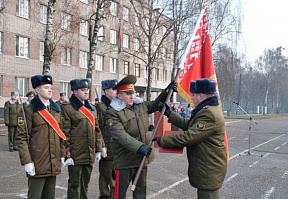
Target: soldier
{"points": [[106, 165], [62, 99], [84, 139], [30, 95], [204, 139], [127, 121], [41, 145], [11, 110]]}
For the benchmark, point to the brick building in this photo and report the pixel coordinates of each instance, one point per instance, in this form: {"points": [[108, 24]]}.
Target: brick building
{"points": [[22, 35]]}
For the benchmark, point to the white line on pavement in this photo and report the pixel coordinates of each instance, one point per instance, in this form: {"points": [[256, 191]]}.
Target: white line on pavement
{"points": [[276, 148], [284, 143], [230, 178], [264, 156], [167, 188], [237, 155], [231, 138], [253, 164], [268, 193], [63, 188]]}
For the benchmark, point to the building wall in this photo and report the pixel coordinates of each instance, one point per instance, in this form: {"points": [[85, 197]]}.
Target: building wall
{"points": [[12, 66]]}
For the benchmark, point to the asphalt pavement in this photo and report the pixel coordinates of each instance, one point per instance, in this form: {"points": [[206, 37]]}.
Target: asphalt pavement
{"points": [[260, 173]]}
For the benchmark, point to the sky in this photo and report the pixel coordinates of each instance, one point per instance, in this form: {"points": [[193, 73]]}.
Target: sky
{"points": [[265, 25]]}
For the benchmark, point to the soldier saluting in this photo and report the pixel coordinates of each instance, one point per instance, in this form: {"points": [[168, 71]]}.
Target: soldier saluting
{"points": [[42, 159]]}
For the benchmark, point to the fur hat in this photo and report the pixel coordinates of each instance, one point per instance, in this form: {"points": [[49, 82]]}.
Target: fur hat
{"points": [[14, 93], [205, 86], [79, 83], [109, 83], [192, 86], [38, 80], [126, 84], [62, 94]]}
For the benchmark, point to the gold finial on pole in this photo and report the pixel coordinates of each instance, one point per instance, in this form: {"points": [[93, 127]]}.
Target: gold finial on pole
{"points": [[206, 4]]}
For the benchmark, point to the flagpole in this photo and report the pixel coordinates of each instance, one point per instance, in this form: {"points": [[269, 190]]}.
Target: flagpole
{"points": [[166, 101], [119, 51]]}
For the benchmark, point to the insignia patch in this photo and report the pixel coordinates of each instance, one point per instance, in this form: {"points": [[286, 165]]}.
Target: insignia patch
{"points": [[20, 121], [62, 118], [200, 125], [110, 122]]}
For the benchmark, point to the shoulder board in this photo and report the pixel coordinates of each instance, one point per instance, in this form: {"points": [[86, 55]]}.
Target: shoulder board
{"points": [[65, 103]]}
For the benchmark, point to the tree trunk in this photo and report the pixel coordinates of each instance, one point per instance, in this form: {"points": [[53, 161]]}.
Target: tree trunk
{"points": [[48, 44]]}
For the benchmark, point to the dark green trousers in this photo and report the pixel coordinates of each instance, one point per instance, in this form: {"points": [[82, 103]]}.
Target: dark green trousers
{"points": [[123, 179], [205, 194], [106, 178], [79, 178], [12, 131], [40, 188]]}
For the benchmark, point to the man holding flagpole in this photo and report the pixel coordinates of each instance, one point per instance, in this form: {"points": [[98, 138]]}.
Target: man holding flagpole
{"points": [[204, 138]]}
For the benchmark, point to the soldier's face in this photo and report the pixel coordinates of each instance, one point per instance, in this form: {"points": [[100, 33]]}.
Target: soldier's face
{"points": [[14, 97], [110, 93], [30, 98], [197, 98], [127, 98], [81, 94], [63, 98], [45, 91]]}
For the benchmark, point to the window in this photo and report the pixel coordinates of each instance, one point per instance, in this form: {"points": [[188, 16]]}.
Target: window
{"points": [[43, 14], [99, 62], [113, 8], [113, 65], [126, 14], [126, 68], [65, 87], [1, 4], [137, 70], [156, 74], [136, 44], [1, 42], [84, 27], [41, 51], [113, 39], [83, 59], [85, 1], [126, 41], [157, 28], [155, 50], [21, 84], [101, 33], [66, 56], [164, 53], [22, 47], [98, 92], [164, 75], [147, 23], [23, 8], [137, 19], [66, 21], [146, 72], [1, 85], [164, 30]]}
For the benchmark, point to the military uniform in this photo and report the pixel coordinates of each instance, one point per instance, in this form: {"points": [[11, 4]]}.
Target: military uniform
{"points": [[204, 138], [83, 141], [45, 150], [29, 94], [128, 126], [11, 110], [60, 101]]}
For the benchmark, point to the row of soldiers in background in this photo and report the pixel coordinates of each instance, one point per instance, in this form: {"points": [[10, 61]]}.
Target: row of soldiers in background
{"points": [[125, 120], [11, 110]]}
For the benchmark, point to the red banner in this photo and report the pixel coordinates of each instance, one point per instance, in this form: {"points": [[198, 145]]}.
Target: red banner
{"points": [[198, 63], [88, 115], [52, 122]]}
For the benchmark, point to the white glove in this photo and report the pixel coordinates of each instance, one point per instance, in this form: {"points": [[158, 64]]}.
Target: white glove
{"points": [[104, 152], [69, 162], [63, 162], [30, 169], [98, 157]]}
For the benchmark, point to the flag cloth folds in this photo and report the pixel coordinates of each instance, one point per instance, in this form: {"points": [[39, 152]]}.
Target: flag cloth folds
{"points": [[119, 40], [198, 63]]}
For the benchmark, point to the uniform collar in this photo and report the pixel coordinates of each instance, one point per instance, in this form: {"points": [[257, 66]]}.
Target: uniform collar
{"points": [[77, 104], [118, 104], [37, 105], [212, 101]]}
